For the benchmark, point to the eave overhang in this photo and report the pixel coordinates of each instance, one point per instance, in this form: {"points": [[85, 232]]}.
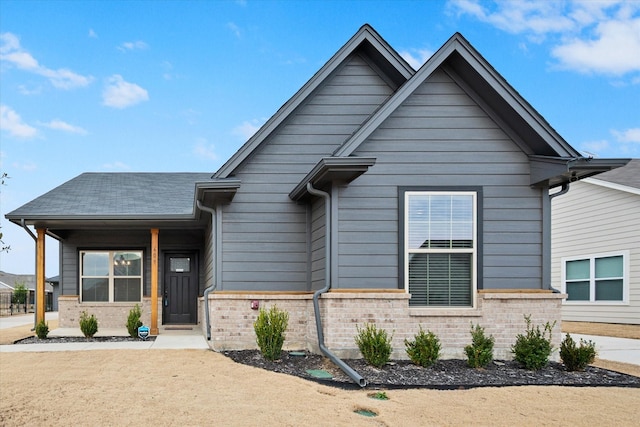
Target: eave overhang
{"points": [[210, 193], [216, 192], [331, 169], [552, 172]]}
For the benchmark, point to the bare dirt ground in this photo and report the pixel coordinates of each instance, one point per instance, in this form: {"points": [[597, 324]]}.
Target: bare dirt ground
{"points": [[198, 387]]}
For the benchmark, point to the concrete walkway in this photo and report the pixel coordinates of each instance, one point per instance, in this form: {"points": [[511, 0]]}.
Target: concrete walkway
{"points": [[624, 350], [167, 339], [25, 319]]}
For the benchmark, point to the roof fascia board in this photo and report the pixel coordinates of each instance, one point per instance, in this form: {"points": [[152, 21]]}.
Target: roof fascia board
{"points": [[612, 185], [457, 43], [365, 33], [514, 100], [395, 101], [488, 110]]}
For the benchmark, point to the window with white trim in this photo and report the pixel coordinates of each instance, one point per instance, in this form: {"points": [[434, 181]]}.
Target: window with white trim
{"points": [[111, 276], [597, 278], [440, 253]]}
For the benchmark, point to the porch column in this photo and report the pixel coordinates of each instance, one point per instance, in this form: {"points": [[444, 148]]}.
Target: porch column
{"points": [[40, 264], [154, 281]]}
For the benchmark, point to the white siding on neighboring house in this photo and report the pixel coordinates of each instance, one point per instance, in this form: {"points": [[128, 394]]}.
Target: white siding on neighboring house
{"points": [[596, 218]]}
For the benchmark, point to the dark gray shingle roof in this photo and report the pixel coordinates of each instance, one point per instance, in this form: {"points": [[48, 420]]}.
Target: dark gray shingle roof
{"points": [[117, 195], [628, 175]]}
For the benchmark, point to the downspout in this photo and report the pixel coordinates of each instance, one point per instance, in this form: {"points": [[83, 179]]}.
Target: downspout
{"points": [[213, 286], [563, 190], [356, 377]]}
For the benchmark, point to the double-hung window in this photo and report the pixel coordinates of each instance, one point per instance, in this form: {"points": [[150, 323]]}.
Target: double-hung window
{"points": [[111, 276], [440, 253], [597, 278]]}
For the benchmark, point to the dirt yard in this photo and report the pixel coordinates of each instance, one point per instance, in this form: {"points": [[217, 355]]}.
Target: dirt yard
{"points": [[198, 387]]}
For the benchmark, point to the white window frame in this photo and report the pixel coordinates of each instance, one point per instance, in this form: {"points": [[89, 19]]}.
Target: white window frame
{"points": [[111, 276], [592, 279], [473, 250]]}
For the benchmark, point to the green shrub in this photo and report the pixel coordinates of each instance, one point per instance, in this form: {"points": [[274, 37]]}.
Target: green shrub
{"points": [[133, 321], [424, 350], [42, 330], [534, 348], [480, 351], [374, 345], [270, 327], [88, 324], [577, 358], [20, 293]]}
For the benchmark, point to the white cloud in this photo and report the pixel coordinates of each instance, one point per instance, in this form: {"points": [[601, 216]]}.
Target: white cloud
{"points": [[629, 135], [247, 129], [234, 29], [592, 148], [11, 122], [204, 149], [25, 166], [616, 50], [137, 45], [121, 94], [586, 36], [65, 127], [92, 34], [416, 57], [117, 165], [12, 53]]}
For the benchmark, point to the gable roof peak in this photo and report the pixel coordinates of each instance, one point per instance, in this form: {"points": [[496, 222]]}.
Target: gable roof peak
{"points": [[365, 39]]}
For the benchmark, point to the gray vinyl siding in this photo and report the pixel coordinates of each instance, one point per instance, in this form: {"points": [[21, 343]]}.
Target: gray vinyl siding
{"points": [[129, 239], [591, 220], [318, 244], [264, 234], [440, 137]]}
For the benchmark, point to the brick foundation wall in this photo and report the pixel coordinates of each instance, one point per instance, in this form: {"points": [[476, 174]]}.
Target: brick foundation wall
{"points": [[500, 313], [109, 315]]}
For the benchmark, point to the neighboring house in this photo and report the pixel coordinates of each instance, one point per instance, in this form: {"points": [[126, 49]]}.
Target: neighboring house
{"points": [[8, 283], [596, 247], [420, 198]]}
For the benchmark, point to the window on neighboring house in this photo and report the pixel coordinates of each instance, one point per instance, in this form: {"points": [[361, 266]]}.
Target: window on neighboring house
{"points": [[111, 276], [596, 278], [440, 253]]}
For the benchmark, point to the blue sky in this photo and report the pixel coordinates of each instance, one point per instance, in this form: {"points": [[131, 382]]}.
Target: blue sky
{"points": [[180, 85]]}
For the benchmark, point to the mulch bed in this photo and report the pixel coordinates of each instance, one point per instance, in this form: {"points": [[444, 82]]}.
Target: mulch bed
{"points": [[62, 340], [445, 374], [451, 374]]}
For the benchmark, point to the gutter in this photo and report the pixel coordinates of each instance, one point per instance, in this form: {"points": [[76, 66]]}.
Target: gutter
{"points": [[213, 286], [356, 377]]}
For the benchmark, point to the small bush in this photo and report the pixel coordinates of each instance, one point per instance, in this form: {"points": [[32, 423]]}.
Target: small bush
{"points": [[42, 330], [133, 321], [577, 358], [270, 327], [480, 351], [374, 345], [424, 350], [88, 324], [534, 348]]}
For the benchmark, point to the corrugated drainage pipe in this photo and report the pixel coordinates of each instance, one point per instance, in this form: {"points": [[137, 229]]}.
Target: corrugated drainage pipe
{"points": [[356, 377], [211, 288]]}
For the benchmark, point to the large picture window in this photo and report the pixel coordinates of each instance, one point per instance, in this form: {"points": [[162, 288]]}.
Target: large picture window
{"points": [[598, 278], [440, 248], [111, 276]]}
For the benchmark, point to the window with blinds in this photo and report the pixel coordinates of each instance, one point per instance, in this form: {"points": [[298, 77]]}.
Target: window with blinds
{"points": [[440, 248]]}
